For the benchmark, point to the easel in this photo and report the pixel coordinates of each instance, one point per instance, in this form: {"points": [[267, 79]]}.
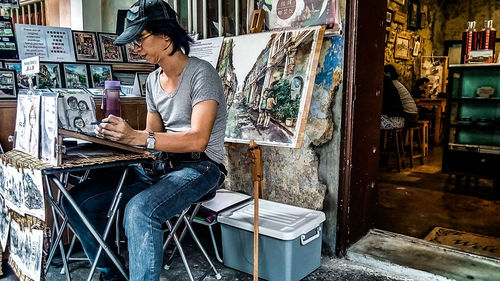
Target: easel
{"points": [[255, 155]]}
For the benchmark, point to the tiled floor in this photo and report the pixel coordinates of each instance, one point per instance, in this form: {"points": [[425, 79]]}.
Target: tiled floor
{"points": [[416, 200]]}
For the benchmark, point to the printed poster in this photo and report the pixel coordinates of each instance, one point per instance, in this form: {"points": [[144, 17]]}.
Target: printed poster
{"points": [[48, 42]]}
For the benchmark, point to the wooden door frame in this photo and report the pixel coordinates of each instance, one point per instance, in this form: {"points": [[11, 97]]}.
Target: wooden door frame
{"points": [[363, 81]]}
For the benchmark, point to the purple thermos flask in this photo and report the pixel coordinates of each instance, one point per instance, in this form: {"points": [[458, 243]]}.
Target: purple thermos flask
{"points": [[111, 99]]}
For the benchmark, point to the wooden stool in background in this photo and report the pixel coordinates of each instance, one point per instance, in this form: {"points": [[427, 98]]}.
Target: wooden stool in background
{"points": [[409, 139], [397, 145], [425, 137]]}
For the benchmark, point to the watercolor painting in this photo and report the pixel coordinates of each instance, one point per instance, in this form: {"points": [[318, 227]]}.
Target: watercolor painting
{"points": [[267, 80]]}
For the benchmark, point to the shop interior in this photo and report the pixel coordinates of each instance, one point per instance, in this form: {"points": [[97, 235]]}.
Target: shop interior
{"points": [[433, 176], [445, 178]]}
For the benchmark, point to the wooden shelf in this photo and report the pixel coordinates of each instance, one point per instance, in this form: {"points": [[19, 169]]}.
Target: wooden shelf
{"points": [[133, 67]]}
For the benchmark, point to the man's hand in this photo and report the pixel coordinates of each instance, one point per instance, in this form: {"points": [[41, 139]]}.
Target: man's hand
{"points": [[116, 129]]}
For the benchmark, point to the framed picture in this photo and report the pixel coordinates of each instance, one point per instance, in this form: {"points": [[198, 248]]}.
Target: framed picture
{"points": [[392, 36], [132, 56], [400, 2], [99, 74], [85, 46], [77, 112], [402, 47], [388, 17], [22, 80], [400, 17], [109, 51], [413, 15], [8, 84], [50, 43], [8, 47], [49, 76], [76, 75], [416, 48], [435, 68], [142, 77], [9, 3], [126, 78]]}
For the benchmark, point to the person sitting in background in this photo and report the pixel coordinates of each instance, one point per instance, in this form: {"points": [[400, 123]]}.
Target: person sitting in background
{"points": [[421, 89], [410, 111], [392, 108]]}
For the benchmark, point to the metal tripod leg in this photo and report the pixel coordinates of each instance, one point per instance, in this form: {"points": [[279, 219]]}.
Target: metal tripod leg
{"points": [[181, 252], [195, 237], [111, 215]]}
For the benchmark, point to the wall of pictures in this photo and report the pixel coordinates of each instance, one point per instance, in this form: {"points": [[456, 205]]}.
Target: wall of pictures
{"points": [[69, 59], [411, 32]]}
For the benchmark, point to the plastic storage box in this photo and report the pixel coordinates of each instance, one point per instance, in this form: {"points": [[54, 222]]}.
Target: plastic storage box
{"points": [[289, 240]]}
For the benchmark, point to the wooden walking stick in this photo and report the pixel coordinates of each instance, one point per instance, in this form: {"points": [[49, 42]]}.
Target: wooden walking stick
{"points": [[255, 154]]}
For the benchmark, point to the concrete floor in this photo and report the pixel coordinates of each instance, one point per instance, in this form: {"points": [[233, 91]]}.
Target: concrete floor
{"points": [[330, 269], [416, 200]]}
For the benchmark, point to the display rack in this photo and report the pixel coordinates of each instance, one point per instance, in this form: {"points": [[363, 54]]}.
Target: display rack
{"points": [[472, 139]]}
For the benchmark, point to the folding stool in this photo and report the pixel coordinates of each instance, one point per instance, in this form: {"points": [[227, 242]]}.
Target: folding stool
{"points": [[188, 219]]}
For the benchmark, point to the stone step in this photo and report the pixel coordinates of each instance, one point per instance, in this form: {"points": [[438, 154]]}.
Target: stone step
{"points": [[417, 259]]}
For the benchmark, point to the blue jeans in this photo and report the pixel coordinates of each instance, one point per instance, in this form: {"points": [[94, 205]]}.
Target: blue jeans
{"points": [[149, 202]]}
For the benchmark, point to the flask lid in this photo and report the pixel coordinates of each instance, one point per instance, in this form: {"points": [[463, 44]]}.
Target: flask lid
{"points": [[108, 84]]}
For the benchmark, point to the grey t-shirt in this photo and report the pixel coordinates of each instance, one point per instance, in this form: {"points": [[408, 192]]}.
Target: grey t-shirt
{"points": [[198, 82], [409, 105]]}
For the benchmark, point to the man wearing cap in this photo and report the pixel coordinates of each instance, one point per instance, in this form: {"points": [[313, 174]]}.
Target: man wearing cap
{"points": [[186, 118]]}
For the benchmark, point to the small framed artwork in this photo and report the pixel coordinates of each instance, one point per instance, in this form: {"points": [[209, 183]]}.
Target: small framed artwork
{"points": [[22, 80], [99, 74], [388, 17], [85, 46], [402, 47], [109, 51], [76, 75], [49, 76], [416, 48], [132, 56], [413, 15], [126, 78], [400, 2], [400, 17], [142, 77], [8, 84], [392, 36]]}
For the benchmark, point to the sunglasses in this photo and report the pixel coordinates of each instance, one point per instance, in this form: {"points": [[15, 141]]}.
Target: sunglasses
{"points": [[138, 41]]}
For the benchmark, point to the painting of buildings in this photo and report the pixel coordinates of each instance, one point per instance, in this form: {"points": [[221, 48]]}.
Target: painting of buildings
{"points": [[49, 76], [267, 80], [76, 75]]}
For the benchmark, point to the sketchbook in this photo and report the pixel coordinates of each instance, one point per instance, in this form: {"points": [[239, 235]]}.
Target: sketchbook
{"points": [[94, 139]]}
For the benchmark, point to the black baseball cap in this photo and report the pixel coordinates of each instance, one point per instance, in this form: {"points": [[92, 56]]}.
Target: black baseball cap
{"points": [[142, 13]]}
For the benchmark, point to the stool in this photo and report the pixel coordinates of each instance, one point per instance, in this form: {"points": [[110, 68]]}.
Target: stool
{"points": [[398, 145], [425, 137], [188, 219], [409, 139]]}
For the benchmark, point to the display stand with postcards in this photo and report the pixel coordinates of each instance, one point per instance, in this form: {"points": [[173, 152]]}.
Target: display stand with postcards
{"points": [[53, 109], [53, 135]]}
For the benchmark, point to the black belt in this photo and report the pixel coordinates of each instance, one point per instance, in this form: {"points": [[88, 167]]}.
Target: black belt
{"points": [[193, 157]]}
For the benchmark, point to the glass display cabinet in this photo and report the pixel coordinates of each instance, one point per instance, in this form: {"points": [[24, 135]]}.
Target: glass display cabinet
{"points": [[472, 137]]}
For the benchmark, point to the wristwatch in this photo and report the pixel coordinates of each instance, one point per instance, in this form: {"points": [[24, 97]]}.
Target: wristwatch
{"points": [[150, 141]]}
